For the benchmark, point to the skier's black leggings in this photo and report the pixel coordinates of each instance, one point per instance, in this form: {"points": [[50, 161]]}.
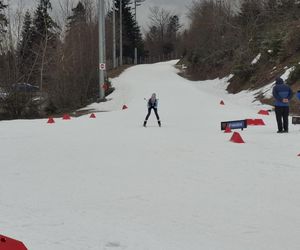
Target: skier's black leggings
{"points": [[149, 112]]}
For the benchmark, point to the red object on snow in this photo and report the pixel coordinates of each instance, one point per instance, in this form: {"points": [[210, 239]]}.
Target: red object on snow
{"points": [[7, 243], [222, 102], [298, 154], [263, 112], [259, 122], [66, 117], [92, 115], [227, 129], [124, 107], [105, 86], [50, 120], [236, 138], [251, 122]]}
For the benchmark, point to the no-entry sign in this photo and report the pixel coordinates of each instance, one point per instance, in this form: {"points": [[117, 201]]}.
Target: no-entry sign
{"points": [[102, 66]]}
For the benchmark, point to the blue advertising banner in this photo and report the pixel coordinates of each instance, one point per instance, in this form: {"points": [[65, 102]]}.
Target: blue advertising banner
{"points": [[238, 124]]}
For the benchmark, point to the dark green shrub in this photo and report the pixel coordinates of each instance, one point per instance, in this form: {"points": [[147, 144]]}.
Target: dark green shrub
{"points": [[51, 108], [243, 71], [272, 45]]}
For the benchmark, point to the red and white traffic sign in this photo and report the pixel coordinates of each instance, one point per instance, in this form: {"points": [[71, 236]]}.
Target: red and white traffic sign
{"points": [[102, 66]]}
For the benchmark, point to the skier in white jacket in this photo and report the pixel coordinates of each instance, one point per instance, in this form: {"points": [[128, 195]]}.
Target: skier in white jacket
{"points": [[152, 104]]}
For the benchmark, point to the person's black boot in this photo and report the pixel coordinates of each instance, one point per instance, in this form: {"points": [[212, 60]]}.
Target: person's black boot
{"points": [[159, 124], [145, 123]]}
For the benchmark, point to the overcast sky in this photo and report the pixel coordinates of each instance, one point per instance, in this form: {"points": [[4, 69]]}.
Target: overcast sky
{"points": [[179, 7]]}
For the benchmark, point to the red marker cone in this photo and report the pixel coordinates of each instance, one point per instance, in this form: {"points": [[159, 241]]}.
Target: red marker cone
{"points": [[92, 115], [250, 122], [222, 102], [124, 107], [259, 122], [66, 117], [227, 129], [263, 112], [11, 244], [50, 120], [236, 138]]}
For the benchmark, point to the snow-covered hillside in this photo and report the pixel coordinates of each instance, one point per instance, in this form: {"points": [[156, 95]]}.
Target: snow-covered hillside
{"points": [[109, 183]]}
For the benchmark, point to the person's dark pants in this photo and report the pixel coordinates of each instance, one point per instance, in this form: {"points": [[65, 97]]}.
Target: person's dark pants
{"points": [[282, 118], [149, 112]]}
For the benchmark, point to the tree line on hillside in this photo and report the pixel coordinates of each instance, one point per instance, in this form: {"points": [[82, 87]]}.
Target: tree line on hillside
{"points": [[224, 38], [50, 68]]}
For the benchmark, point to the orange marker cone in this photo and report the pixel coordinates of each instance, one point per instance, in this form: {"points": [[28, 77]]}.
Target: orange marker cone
{"points": [[236, 138], [92, 115]]}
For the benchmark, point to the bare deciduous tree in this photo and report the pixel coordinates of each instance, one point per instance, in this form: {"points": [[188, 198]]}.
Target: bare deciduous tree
{"points": [[162, 36]]}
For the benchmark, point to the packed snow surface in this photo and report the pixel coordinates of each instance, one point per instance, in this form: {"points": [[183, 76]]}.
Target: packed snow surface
{"points": [[109, 183]]}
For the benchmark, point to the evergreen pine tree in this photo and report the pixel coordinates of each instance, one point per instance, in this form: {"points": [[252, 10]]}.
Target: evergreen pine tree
{"points": [[3, 20], [75, 39], [43, 23], [24, 51], [44, 38], [132, 37], [173, 26], [172, 29], [79, 59], [78, 17], [250, 12]]}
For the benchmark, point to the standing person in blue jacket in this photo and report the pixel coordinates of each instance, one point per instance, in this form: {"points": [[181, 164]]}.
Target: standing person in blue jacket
{"points": [[152, 104], [282, 94], [298, 94]]}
